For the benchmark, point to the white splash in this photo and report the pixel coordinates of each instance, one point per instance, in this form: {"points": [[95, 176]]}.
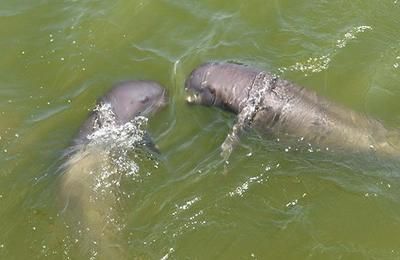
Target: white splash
{"points": [[321, 63], [244, 187], [396, 65], [351, 35], [166, 256], [186, 205], [117, 141]]}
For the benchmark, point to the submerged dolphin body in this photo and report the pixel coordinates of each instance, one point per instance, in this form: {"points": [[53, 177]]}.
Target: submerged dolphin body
{"points": [[281, 108], [82, 202]]}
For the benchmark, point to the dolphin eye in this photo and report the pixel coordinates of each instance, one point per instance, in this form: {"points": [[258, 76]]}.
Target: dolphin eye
{"points": [[212, 91]]}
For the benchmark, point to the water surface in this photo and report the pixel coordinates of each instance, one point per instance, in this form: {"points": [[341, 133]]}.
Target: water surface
{"points": [[268, 202]]}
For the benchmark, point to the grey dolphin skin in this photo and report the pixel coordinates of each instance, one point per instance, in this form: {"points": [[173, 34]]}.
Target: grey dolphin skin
{"points": [[89, 209], [279, 107]]}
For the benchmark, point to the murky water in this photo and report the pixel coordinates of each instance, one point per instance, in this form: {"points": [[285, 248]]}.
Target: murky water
{"points": [[270, 201]]}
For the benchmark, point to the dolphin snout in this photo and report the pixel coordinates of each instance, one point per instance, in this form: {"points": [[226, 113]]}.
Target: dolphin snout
{"points": [[192, 97]]}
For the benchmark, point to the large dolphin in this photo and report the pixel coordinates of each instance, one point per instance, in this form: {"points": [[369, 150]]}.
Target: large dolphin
{"points": [[86, 160], [282, 108]]}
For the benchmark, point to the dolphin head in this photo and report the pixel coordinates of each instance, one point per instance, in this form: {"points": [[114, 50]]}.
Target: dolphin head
{"points": [[127, 100], [224, 85], [134, 98]]}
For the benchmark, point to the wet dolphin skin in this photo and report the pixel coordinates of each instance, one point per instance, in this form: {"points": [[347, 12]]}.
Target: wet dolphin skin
{"points": [[282, 108]]}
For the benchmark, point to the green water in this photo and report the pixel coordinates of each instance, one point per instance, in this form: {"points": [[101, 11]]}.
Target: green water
{"points": [[58, 57]]}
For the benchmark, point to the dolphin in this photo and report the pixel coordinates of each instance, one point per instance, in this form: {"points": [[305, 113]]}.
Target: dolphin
{"points": [[91, 210], [281, 108]]}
